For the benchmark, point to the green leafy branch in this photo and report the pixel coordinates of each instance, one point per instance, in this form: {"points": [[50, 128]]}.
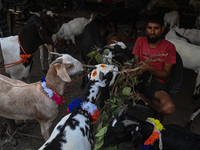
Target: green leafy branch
{"points": [[122, 90]]}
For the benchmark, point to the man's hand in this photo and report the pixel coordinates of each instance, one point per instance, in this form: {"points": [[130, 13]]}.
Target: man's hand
{"points": [[144, 66]]}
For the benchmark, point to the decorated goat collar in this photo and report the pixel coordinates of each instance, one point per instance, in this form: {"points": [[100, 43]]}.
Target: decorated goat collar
{"points": [[156, 134], [88, 106], [52, 94]]}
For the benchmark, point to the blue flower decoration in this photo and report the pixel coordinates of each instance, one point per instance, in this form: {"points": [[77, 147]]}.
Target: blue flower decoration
{"points": [[43, 79], [74, 103], [145, 147]]}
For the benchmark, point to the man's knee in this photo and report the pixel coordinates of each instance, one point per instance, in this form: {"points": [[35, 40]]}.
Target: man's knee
{"points": [[168, 109]]}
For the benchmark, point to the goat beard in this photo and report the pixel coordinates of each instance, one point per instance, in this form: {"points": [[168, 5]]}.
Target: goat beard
{"points": [[153, 40]]}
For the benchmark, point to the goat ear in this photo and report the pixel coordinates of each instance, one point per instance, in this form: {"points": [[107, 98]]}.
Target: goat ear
{"points": [[62, 72], [101, 76]]}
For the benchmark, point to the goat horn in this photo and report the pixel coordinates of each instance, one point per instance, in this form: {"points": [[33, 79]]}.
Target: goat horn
{"points": [[115, 41], [122, 110], [129, 122], [34, 13], [89, 66], [56, 53]]}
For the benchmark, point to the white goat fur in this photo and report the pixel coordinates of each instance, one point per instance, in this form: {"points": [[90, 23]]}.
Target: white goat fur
{"points": [[190, 34], [171, 18], [190, 55], [73, 28], [68, 30], [10, 56], [22, 101], [74, 139], [172, 35]]}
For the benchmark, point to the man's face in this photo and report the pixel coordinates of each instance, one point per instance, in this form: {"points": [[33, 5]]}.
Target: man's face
{"points": [[154, 32]]}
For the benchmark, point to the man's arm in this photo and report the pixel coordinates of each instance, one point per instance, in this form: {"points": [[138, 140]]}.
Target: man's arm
{"points": [[161, 74], [136, 59]]}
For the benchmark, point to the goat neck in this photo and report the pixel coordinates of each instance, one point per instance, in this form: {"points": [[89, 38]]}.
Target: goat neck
{"points": [[146, 130]]}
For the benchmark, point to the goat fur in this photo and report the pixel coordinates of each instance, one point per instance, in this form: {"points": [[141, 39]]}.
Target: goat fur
{"points": [[22, 101], [75, 131]]}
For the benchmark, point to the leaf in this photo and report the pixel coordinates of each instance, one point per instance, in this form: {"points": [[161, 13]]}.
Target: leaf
{"points": [[101, 132], [99, 58], [106, 117], [126, 91], [100, 126], [106, 52], [92, 54], [99, 143]]}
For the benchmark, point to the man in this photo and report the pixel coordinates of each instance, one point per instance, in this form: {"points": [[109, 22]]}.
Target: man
{"points": [[153, 44]]}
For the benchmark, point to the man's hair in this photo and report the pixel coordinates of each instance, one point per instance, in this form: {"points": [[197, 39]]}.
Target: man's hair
{"points": [[155, 19]]}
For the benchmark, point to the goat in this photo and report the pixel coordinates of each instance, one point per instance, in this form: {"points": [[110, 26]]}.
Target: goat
{"points": [[190, 56], [190, 34], [19, 49], [75, 131], [73, 28], [61, 46], [126, 128], [22, 101], [118, 52], [172, 34], [171, 18], [92, 37]]}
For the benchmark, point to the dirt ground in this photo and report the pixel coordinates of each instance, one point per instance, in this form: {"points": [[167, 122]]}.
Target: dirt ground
{"points": [[28, 136]]}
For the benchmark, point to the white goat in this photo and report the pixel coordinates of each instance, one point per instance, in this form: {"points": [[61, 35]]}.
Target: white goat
{"points": [[18, 50], [190, 34], [190, 55], [73, 28], [171, 18], [172, 34], [22, 101], [75, 131]]}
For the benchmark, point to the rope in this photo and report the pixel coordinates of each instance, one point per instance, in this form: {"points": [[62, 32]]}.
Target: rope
{"points": [[183, 32], [67, 86], [24, 58]]}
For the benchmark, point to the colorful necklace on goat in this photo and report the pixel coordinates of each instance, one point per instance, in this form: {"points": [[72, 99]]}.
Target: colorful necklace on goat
{"points": [[156, 134], [59, 99], [88, 106]]}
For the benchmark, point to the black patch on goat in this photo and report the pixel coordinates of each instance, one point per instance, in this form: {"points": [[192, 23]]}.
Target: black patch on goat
{"points": [[37, 31], [73, 124]]}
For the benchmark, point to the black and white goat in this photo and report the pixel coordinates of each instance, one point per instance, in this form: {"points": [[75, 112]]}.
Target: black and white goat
{"points": [[75, 131], [20, 48], [126, 128]]}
